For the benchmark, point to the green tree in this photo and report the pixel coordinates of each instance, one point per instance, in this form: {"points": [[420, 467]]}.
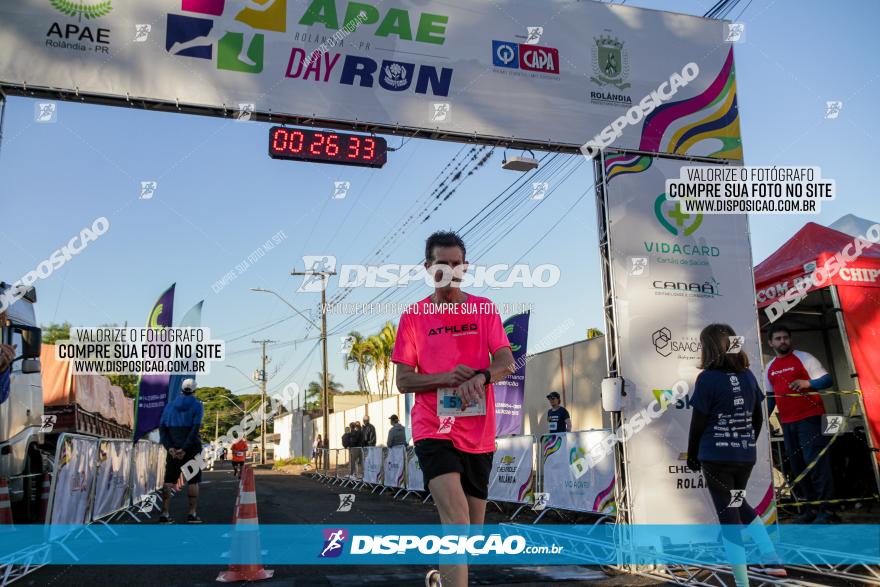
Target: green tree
{"points": [[52, 333], [379, 348], [314, 392], [594, 333], [359, 355], [220, 404]]}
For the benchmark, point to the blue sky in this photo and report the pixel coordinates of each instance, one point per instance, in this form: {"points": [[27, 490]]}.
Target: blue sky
{"points": [[220, 197]]}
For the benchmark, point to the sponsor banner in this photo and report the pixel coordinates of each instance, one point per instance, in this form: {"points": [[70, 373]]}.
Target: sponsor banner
{"points": [[153, 389], [509, 392], [393, 468], [512, 478], [74, 478], [415, 480], [112, 479], [570, 488], [394, 63], [143, 475], [373, 457], [674, 273], [419, 544]]}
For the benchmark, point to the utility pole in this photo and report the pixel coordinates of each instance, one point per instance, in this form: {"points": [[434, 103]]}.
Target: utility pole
{"points": [[263, 381], [325, 395], [216, 426]]}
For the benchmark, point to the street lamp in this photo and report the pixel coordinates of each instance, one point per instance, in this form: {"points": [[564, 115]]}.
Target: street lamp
{"points": [[325, 395], [262, 409]]}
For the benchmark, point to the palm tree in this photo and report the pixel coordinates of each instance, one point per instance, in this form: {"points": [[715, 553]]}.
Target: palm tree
{"points": [[380, 347], [359, 354], [314, 392]]}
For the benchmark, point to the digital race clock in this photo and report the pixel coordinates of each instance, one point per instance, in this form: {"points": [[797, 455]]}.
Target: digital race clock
{"points": [[321, 146]]}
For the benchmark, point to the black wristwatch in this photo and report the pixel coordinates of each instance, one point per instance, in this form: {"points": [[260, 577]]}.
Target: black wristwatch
{"points": [[485, 373]]}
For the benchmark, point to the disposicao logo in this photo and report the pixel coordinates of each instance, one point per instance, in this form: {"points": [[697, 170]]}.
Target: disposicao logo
{"points": [[675, 220], [526, 57], [334, 540], [231, 35]]}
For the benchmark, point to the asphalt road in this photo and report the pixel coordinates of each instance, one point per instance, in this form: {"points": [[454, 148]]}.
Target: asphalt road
{"points": [[293, 499]]}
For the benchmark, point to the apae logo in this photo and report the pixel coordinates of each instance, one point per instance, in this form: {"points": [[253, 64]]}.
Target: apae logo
{"points": [[75, 36]]}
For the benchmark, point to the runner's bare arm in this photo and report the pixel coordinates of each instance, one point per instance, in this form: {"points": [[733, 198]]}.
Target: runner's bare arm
{"points": [[473, 390], [408, 381]]}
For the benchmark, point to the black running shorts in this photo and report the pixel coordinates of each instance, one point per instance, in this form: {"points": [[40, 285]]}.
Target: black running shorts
{"points": [[438, 457], [173, 467]]}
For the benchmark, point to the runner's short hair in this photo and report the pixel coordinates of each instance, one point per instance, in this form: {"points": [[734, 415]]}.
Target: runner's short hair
{"points": [[714, 340], [442, 238], [777, 328]]}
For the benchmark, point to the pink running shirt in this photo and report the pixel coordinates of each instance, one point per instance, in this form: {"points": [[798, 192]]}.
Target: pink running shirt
{"points": [[434, 339]]}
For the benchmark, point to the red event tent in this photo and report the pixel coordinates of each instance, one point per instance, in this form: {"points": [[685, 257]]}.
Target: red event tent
{"points": [[858, 291]]}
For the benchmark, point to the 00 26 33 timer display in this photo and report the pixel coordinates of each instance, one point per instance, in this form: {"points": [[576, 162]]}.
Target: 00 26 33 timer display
{"points": [[321, 146]]}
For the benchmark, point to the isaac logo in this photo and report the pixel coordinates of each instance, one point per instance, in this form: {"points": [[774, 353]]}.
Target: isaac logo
{"points": [[231, 35], [673, 219]]}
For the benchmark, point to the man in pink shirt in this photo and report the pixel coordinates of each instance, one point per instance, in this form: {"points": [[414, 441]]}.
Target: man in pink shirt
{"points": [[442, 354]]}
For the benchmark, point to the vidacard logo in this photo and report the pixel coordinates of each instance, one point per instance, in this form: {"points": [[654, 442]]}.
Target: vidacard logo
{"points": [[674, 219], [230, 34]]}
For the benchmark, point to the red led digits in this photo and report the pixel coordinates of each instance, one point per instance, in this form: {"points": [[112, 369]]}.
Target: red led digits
{"points": [[354, 147], [326, 147], [296, 142], [333, 145]]}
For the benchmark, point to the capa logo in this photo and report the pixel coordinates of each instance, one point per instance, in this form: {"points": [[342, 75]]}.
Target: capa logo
{"points": [[526, 57], [334, 539]]}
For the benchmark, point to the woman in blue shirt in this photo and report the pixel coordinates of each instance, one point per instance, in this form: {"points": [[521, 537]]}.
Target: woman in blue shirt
{"points": [[725, 424]]}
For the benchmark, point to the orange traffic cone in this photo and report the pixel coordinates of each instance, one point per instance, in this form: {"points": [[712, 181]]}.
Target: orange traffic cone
{"points": [[5, 507], [246, 536], [44, 496]]}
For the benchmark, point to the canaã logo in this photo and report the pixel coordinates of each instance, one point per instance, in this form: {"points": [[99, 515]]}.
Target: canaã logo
{"points": [[610, 63], [82, 9], [674, 219]]}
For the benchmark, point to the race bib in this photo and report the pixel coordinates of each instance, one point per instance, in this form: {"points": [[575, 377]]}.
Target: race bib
{"points": [[449, 404]]}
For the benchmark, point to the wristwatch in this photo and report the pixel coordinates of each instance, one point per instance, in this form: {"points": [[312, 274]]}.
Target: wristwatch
{"points": [[485, 373]]}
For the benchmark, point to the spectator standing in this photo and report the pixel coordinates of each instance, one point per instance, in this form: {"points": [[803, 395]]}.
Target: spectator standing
{"points": [[397, 434], [558, 418], [356, 450], [793, 377], [369, 432]]}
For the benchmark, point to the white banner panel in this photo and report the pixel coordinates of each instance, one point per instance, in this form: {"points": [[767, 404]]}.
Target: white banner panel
{"points": [[673, 274], [512, 477], [593, 491], [141, 483], [463, 67], [373, 456], [393, 469], [415, 480], [75, 460], [114, 471]]}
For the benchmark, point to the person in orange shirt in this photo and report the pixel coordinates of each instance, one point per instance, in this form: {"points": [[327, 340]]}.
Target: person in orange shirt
{"points": [[239, 451]]}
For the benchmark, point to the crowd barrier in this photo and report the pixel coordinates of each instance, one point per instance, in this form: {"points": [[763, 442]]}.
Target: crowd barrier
{"points": [[96, 478], [521, 467]]}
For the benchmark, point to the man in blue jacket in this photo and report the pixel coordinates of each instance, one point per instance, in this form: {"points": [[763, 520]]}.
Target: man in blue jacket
{"points": [[179, 434]]}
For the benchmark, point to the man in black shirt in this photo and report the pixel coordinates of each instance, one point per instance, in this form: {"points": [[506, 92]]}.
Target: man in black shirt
{"points": [[558, 419], [369, 432]]}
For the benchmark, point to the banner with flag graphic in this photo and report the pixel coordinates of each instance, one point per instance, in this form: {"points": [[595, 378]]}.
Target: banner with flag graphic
{"points": [[192, 319], [509, 393], [153, 388]]}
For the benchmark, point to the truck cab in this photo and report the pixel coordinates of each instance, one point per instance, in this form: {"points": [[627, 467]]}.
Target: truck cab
{"points": [[21, 410]]}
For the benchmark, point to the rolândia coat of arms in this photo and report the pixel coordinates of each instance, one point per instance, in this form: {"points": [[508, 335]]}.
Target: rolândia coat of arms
{"points": [[610, 62]]}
